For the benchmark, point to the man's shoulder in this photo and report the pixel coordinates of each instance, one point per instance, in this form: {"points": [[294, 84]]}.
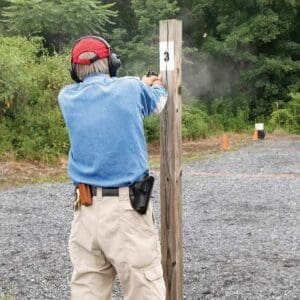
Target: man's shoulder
{"points": [[136, 78], [66, 89], [128, 79], [127, 83]]}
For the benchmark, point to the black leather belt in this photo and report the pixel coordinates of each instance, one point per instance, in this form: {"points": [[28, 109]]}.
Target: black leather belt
{"points": [[106, 192]]}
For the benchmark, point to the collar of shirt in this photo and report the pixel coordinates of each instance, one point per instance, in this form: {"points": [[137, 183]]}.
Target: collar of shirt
{"points": [[92, 77]]}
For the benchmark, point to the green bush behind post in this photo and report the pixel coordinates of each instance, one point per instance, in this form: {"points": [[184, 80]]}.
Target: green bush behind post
{"points": [[286, 115], [194, 124], [32, 127]]}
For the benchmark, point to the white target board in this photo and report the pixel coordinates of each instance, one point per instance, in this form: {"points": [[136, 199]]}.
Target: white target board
{"points": [[259, 126], [166, 56]]}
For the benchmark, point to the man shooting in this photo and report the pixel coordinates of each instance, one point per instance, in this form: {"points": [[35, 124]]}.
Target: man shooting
{"points": [[113, 230]]}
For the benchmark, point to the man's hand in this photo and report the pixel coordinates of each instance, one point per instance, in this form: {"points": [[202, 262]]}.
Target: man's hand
{"points": [[152, 80]]}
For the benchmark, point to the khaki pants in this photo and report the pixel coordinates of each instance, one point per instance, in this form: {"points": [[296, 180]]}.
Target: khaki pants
{"points": [[109, 238]]}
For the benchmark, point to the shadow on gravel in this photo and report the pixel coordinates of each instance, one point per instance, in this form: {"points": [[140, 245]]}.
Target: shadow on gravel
{"points": [[241, 229]]}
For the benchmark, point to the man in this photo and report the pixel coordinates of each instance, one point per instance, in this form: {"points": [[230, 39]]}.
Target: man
{"points": [[108, 164]]}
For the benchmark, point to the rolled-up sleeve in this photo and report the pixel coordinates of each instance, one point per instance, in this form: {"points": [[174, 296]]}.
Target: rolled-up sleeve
{"points": [[153, 99]]}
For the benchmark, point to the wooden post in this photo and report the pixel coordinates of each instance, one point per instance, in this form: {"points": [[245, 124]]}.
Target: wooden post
{"points": [[170, 159]]}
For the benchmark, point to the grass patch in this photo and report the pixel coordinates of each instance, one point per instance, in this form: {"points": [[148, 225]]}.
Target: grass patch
{"points": [[17, 173], [7, 295]]}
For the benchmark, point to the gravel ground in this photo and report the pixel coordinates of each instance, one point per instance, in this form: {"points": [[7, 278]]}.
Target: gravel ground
{"points": [[241, 229]]}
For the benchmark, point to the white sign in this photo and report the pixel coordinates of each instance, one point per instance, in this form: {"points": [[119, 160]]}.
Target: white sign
{"points": [[259, 126], [166, 56]]}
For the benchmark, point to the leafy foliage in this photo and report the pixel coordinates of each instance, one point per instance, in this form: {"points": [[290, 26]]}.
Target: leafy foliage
{"points": [[151, 128], [140, 53], [31, 123], [259, 39], [58, 21], [287, 117], [241, 64], [16, 77], [194, 124]]}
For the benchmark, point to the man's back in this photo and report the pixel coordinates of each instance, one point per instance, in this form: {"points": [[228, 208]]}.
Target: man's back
{"points": [[113, 230], [104, 117]]}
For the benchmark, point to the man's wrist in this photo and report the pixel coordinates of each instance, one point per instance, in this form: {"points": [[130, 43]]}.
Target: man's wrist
{"points": [[152, 80], [157, 82]]}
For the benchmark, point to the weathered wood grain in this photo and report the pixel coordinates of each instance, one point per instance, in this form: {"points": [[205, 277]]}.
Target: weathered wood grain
{"points": [[170, 167]]}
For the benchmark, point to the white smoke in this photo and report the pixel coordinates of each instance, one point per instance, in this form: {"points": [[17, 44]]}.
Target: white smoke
{"points": [[204, 76]]}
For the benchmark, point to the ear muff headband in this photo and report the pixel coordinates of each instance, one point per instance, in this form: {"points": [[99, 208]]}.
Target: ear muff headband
{"points": [[114, 61]]}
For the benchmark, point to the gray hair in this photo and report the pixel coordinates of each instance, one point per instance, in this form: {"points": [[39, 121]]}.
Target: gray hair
{"points": [[98, 66]]}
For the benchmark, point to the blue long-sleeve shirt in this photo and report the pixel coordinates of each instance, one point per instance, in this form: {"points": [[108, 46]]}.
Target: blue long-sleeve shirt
{"points": [[104, 117]]}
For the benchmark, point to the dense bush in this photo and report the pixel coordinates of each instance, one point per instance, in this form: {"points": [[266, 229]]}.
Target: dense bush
{"points": [[32, 126], [31, 123], [287, 117], [194, 124], [234, 69], [151, 128], [228, 121], [5, 140]]}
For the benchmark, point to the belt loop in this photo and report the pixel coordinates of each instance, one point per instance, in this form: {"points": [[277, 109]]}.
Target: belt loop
{"points": [[124, 193], [98, 195]]}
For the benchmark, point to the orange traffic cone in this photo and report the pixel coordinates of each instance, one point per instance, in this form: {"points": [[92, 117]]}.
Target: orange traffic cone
{"points": [[255, 136], [225, 142]]}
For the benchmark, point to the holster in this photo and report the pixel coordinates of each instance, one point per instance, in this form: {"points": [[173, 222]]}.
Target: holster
{"points": [[140, 193], [85, 192]]}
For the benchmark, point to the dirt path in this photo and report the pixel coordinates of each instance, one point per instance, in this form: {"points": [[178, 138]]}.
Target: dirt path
{"points": [[16, 173]]}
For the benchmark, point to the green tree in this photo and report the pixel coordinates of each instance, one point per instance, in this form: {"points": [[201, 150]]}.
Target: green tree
{"points": [[3, 4], [138, 47], [126, 20], [260, 41], [57, 21]]}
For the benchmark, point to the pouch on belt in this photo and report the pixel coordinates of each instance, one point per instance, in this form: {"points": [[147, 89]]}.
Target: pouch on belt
{"points": [[86, 197], [140, 193]]}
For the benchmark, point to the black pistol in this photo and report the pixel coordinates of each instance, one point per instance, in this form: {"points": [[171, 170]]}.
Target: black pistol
{"points": [[151, 73]]}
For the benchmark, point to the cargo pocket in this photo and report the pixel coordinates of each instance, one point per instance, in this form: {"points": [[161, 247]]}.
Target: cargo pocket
{"points": [[154, 275]]}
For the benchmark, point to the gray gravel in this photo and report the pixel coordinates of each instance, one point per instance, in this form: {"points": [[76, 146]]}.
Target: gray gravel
{"points": [[241, 229]]}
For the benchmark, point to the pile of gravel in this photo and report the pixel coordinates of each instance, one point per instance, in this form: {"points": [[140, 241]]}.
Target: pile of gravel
{"points": [[241, 229]]}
